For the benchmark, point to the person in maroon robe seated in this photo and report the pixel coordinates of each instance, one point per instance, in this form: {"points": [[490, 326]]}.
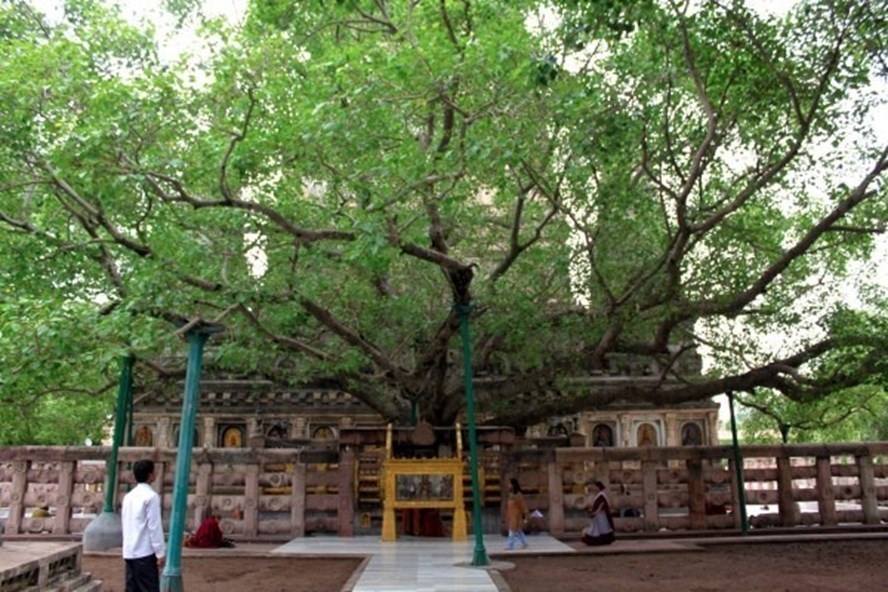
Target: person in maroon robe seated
{"points": [[208, 536]]}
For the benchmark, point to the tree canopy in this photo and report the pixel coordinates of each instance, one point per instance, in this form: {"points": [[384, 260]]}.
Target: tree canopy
{"points": [[608, 185], [851, 414]]}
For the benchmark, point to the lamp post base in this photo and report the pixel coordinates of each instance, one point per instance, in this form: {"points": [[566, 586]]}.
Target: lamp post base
{"points": [[479, 557], [171, 583], [103, 533]]}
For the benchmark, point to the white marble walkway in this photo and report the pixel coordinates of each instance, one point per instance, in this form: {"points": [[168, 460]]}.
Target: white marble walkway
{"points": [[418, 564]]}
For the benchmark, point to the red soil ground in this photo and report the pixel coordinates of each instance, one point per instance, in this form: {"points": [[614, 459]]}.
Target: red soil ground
{"points": [[240, 573], [834, 566], [823, 566]]}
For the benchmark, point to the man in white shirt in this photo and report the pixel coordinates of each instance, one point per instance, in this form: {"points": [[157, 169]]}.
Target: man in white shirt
{"points": [[143, 547]]}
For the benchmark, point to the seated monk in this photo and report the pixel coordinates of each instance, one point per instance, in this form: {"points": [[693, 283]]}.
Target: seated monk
{"points": [[208, 536]]}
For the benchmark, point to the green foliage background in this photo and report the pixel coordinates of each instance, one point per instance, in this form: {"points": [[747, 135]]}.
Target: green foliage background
{"points": [[620, 187]]}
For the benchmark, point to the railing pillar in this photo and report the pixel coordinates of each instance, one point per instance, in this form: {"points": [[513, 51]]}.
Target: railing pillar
{"points": [[17, 501], [203, 500], [62, 524], [297, 502], [789, 515], [346, 479], [251, 500], [651, 495], [826, 495], [696, 494], [868, 499], [159, 471], [556, 496]]}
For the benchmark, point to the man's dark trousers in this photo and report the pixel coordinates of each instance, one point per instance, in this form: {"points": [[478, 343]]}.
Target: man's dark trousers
{"points": [[141, 574]]}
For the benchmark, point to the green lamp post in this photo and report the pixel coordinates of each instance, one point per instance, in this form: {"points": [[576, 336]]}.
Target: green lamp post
{"points": [[479, 556], [738, 468], [124, 398], [197, 334], [105, 531]]}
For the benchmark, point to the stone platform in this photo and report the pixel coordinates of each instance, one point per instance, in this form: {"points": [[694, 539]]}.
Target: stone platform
{"points": [[43, 566]]}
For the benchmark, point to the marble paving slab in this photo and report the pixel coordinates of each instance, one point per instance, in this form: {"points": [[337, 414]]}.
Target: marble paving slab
{"points": [[418, 564]]}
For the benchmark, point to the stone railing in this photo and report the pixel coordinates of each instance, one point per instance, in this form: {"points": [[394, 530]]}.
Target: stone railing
{"points": [[695, 488], [263, 493], [256, 492]]}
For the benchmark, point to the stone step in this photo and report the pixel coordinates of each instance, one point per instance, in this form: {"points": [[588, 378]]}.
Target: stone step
{"points": [[82, 582], [72, 582], [90, 586]]}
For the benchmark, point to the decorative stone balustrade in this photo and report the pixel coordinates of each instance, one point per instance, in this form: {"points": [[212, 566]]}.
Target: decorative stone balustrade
{"points": [[695, 488], [256, 492], [283, 493]]}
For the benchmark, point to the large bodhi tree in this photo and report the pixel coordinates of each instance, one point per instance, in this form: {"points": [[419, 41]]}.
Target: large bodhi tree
{"points": [[607, 184]]}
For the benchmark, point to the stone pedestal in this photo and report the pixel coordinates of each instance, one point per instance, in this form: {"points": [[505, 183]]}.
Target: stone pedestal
{"points": [[103, 533]]}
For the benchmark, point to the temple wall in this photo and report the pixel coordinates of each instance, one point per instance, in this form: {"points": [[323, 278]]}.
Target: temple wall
{"points": [[624, 427]]}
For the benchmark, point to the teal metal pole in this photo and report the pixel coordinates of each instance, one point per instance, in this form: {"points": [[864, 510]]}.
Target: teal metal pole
{"points": [[129, 421], [171, 580], [105, 532], [479, 557], [738, 467], [124, 394]]}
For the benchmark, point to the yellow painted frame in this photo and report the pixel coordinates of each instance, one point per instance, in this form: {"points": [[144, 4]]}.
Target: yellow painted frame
{"points": [[395, 467]]}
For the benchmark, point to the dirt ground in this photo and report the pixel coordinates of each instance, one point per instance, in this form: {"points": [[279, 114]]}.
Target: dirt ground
{"points": [[240, 573], [825, 566], [834, 566]]}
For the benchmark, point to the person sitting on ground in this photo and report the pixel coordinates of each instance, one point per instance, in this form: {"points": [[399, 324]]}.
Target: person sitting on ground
{"points": [[208, 536], [601, 528], [42, 512]]}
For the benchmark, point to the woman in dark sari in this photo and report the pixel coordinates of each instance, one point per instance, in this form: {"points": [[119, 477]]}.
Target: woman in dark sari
{"points": [[601, 528]]}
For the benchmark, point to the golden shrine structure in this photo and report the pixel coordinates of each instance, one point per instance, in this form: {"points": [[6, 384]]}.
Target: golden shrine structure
{"points": [[423, 484]]}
